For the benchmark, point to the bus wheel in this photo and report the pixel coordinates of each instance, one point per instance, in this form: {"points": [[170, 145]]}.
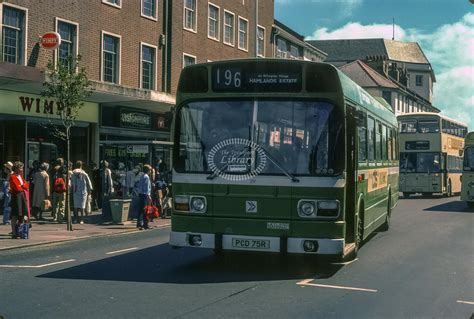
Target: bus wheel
{"points": [[406, 194], [386, 225], [449, 190]]}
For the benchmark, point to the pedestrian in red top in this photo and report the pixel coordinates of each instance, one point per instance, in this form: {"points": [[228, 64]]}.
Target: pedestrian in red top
{"points": [[19, 191]]}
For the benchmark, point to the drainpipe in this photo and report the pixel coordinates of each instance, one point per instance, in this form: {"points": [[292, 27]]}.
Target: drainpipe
{"points": [[165, 43], [256, 28]]}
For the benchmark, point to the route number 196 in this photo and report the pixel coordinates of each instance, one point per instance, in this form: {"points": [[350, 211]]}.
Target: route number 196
{"points": [[228, 78]]}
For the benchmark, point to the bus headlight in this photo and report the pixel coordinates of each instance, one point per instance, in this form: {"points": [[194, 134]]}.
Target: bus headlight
{"points": [[307, 208], [198, 204], [328, 208]]}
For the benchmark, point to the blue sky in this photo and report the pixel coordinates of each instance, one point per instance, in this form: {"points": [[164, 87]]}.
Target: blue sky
{"points": [[443, 28]]}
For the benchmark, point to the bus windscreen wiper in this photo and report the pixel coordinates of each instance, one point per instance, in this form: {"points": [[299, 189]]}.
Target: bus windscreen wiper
{"points": [[280, 167]]}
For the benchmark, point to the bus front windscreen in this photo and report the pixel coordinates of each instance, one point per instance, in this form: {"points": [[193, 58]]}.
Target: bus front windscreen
{"points": [[275, 136], [469, 159], [427, 162]]}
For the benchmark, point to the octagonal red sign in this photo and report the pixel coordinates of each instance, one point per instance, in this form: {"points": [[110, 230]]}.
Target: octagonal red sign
{"points": [[50, 40]]}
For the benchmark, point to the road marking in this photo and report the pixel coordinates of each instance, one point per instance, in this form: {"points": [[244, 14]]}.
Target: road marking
{"points": [[163, 226], [37, 266], [121, 251], [465, 302], [307, 282]]}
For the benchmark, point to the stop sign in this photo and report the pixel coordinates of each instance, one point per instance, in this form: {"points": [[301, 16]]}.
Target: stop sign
{"points": [[50, 40]]}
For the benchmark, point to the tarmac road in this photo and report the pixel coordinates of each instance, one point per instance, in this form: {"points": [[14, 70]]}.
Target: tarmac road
{"points": [[422, 267]]}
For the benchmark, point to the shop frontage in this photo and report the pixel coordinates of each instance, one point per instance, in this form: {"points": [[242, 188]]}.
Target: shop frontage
{"points": [[133, 136], [30, 130]]}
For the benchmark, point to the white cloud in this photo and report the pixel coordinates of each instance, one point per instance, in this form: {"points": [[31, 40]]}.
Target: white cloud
{"points": [[346, 7], [450, 50]]}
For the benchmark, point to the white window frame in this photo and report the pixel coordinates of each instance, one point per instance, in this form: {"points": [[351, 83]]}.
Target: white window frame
{"points": [[246, 49], [113, 4], [291, 53], [263, 40], [56, 28], [154, 18], [232, 44], [155, 64], [284, 53], [189, 56], [25, 38], [194, 29], [218, 23], [102, 32]]}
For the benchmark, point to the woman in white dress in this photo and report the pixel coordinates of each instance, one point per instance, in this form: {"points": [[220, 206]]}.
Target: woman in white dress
{"points": [[81, 188]]}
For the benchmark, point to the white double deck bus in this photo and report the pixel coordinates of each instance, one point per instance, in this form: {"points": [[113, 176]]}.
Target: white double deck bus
{"points": [[430, 154]]}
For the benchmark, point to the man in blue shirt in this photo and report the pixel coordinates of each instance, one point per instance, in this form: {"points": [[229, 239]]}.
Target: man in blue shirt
{"points": [[144, 197]]}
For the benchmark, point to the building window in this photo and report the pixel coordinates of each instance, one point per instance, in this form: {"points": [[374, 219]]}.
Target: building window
{"points": [[260, 41], [419, 80], [149, 9], [213, 22], [13, 33], [229, 20], [68, 32], [294, 52], [110, 58], [281, 48], [148, 67], [190, 15], [188, 60], [115, 3], [387, 96], [243, 31]]}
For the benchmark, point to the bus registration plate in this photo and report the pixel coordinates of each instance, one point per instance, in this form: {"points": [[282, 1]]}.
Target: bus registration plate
{"points": [[250, 243]]}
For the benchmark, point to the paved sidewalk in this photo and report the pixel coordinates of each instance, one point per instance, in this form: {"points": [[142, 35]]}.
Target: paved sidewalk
{"points": [[47, 231]]}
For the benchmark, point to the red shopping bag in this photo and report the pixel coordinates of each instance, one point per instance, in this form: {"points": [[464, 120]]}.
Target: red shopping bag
{"points": [[151, 212]]}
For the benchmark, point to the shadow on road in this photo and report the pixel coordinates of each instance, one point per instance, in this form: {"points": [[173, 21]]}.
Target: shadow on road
{"points": [[456, 206], [162, 264]]}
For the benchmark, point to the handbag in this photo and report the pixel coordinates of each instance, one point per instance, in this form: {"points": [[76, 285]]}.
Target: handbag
{"points": [[151, 212], [24, 230], [46, 205]]}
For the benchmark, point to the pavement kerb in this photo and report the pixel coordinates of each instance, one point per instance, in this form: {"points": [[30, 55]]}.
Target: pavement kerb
{"points": [[59, 241]]}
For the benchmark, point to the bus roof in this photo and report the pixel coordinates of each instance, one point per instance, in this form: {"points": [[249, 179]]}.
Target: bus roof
{"points": [[351, 90], [421, 114], [357, 94]]}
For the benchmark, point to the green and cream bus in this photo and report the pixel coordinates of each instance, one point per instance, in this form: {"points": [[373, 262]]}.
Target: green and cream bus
{"points": [[467, 188], [430, 154], [280, 156]]}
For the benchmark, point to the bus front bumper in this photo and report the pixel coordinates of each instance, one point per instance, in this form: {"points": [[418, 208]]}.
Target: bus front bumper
{"points": [[318, 246]]}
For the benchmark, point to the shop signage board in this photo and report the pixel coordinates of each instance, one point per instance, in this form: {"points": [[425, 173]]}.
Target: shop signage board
{"points": [[50, 40], [135, 119], [32, 105]]}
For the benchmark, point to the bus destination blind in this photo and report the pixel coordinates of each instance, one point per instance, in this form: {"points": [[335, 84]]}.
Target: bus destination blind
{"points": [[248, 79]]}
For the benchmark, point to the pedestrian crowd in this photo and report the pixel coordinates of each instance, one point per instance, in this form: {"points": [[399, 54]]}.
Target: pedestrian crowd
{"points": [[45, 188]]}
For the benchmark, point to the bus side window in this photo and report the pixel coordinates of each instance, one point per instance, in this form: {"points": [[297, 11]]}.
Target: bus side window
{"points": [[371, 139], [362, 136], [384, 142], [378, 142]]}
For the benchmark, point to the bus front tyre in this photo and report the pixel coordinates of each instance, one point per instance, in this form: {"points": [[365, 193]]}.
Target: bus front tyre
{"points": [[386, 225]]}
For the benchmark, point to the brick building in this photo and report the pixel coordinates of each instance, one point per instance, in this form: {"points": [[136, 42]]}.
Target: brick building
{"points": [[133, 51]]}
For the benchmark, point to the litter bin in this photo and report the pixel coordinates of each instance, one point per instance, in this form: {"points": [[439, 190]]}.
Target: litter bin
{"points": [[120, 209]]}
